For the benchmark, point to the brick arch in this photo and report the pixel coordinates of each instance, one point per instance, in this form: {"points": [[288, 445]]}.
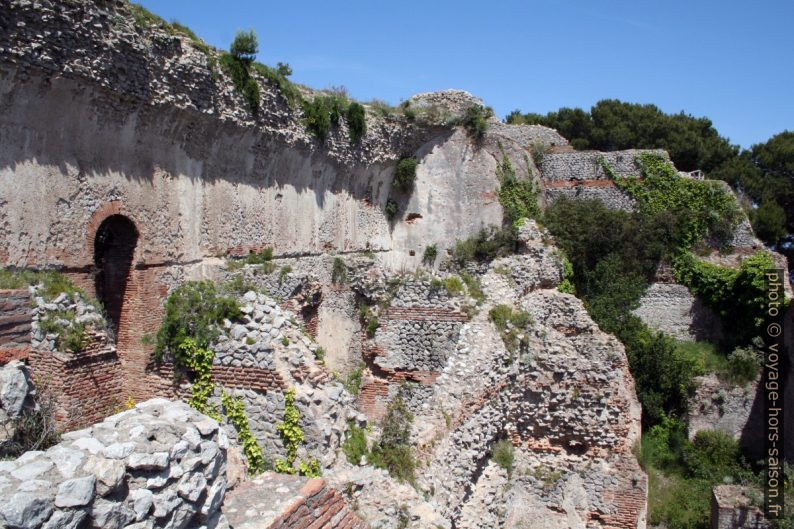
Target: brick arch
{"points": [[114, 207], [115, 243]]}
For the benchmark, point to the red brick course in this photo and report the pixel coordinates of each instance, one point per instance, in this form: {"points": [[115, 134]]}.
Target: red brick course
{"points": [[86, 386]]}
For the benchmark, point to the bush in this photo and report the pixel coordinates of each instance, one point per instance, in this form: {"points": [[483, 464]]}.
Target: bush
{"points": [[744, 363], [53, 283], [245, 46], [714, 456], [519, 198], [391, 209], [393, 450], [339, 272], [238, 70], [475, 120], [503, 455], [34, 429], [317, 117], [354, 379], [357, 121], [355, 445], [473, 286], [430, 254], [512, 325], [193, 310], [487, 245], [736, 295], [405, 175], [278, 77]]}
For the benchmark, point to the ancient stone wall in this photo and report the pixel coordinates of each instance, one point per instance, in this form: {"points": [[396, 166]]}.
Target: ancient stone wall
{"points": [[16, 314], [580, 175], [732, 508], [160, 464]]}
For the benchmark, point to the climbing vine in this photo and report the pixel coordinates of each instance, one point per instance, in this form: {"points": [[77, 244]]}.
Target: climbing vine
{"points": [[703, 208], [566, 286], [519, 198], [292, 435], [199, 361], [738, 296], [235, 412]]}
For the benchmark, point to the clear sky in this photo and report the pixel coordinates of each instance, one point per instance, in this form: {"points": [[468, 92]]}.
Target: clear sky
{"points": [[728, 60]]}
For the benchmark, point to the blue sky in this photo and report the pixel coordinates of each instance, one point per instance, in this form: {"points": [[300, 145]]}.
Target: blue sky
{"points": [[730, 61]]}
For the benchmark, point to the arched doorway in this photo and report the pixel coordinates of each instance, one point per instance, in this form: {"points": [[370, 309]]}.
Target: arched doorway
{"points": [[114, 247]]}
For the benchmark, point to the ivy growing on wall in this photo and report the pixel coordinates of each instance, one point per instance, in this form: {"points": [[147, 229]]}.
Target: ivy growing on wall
{"points": [[235, 412], [292, 435], [519, 198], [199, 361], [738, 296], [704, 208]]}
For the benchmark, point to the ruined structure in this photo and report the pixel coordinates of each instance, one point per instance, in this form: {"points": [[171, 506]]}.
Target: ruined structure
{"points": [[129, 162]]}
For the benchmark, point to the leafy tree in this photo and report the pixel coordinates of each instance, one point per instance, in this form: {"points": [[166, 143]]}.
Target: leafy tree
{"points": [[245, 46]]}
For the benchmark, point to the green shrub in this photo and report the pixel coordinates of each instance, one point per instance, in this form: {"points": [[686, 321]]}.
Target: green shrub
{"points": [[453, 285], [283, 69], [323, 112], [736, 295], [393, 450], [503, 455], [355, 445], [430, 254], [475, 120], [519, 198], [611, 271], [512, 325], [278, 77], [282, 274], [354, 379], [245, 46], [339, 272], [714, 456], [370, 321], [487, 245], [703, 207], [143, 17], [238, 70], [53, 283], [391, 209], [473, 286], [744, 363], [405, 175], [193, 310], [357, 121], [238, 285]]}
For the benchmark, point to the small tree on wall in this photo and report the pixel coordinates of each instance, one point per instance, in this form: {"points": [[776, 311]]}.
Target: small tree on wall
{"points": [[245, 46]]}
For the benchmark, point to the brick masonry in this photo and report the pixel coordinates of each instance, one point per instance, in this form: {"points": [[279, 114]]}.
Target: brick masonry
{"points": [[86, 386], [277, 501], [15, 319]]}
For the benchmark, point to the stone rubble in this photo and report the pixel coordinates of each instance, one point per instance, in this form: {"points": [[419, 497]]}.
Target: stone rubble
{"points": [[160, 464]]}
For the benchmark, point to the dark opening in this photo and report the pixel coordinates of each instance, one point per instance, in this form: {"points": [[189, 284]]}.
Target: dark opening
{"points": [[114, 247]]}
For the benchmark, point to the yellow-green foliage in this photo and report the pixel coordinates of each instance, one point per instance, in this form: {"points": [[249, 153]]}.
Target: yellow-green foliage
{"points": [[707, 209], [235, 412], [292, 435], [199, 361], [737, 295], [519, 198]]}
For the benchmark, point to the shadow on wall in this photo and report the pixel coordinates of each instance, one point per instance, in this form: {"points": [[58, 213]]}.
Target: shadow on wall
{"points": [[70, 124], [114, 249]]}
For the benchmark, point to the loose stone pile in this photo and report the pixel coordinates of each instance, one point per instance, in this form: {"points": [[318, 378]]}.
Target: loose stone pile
{"points": [[65, 312], [158, 465]]}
